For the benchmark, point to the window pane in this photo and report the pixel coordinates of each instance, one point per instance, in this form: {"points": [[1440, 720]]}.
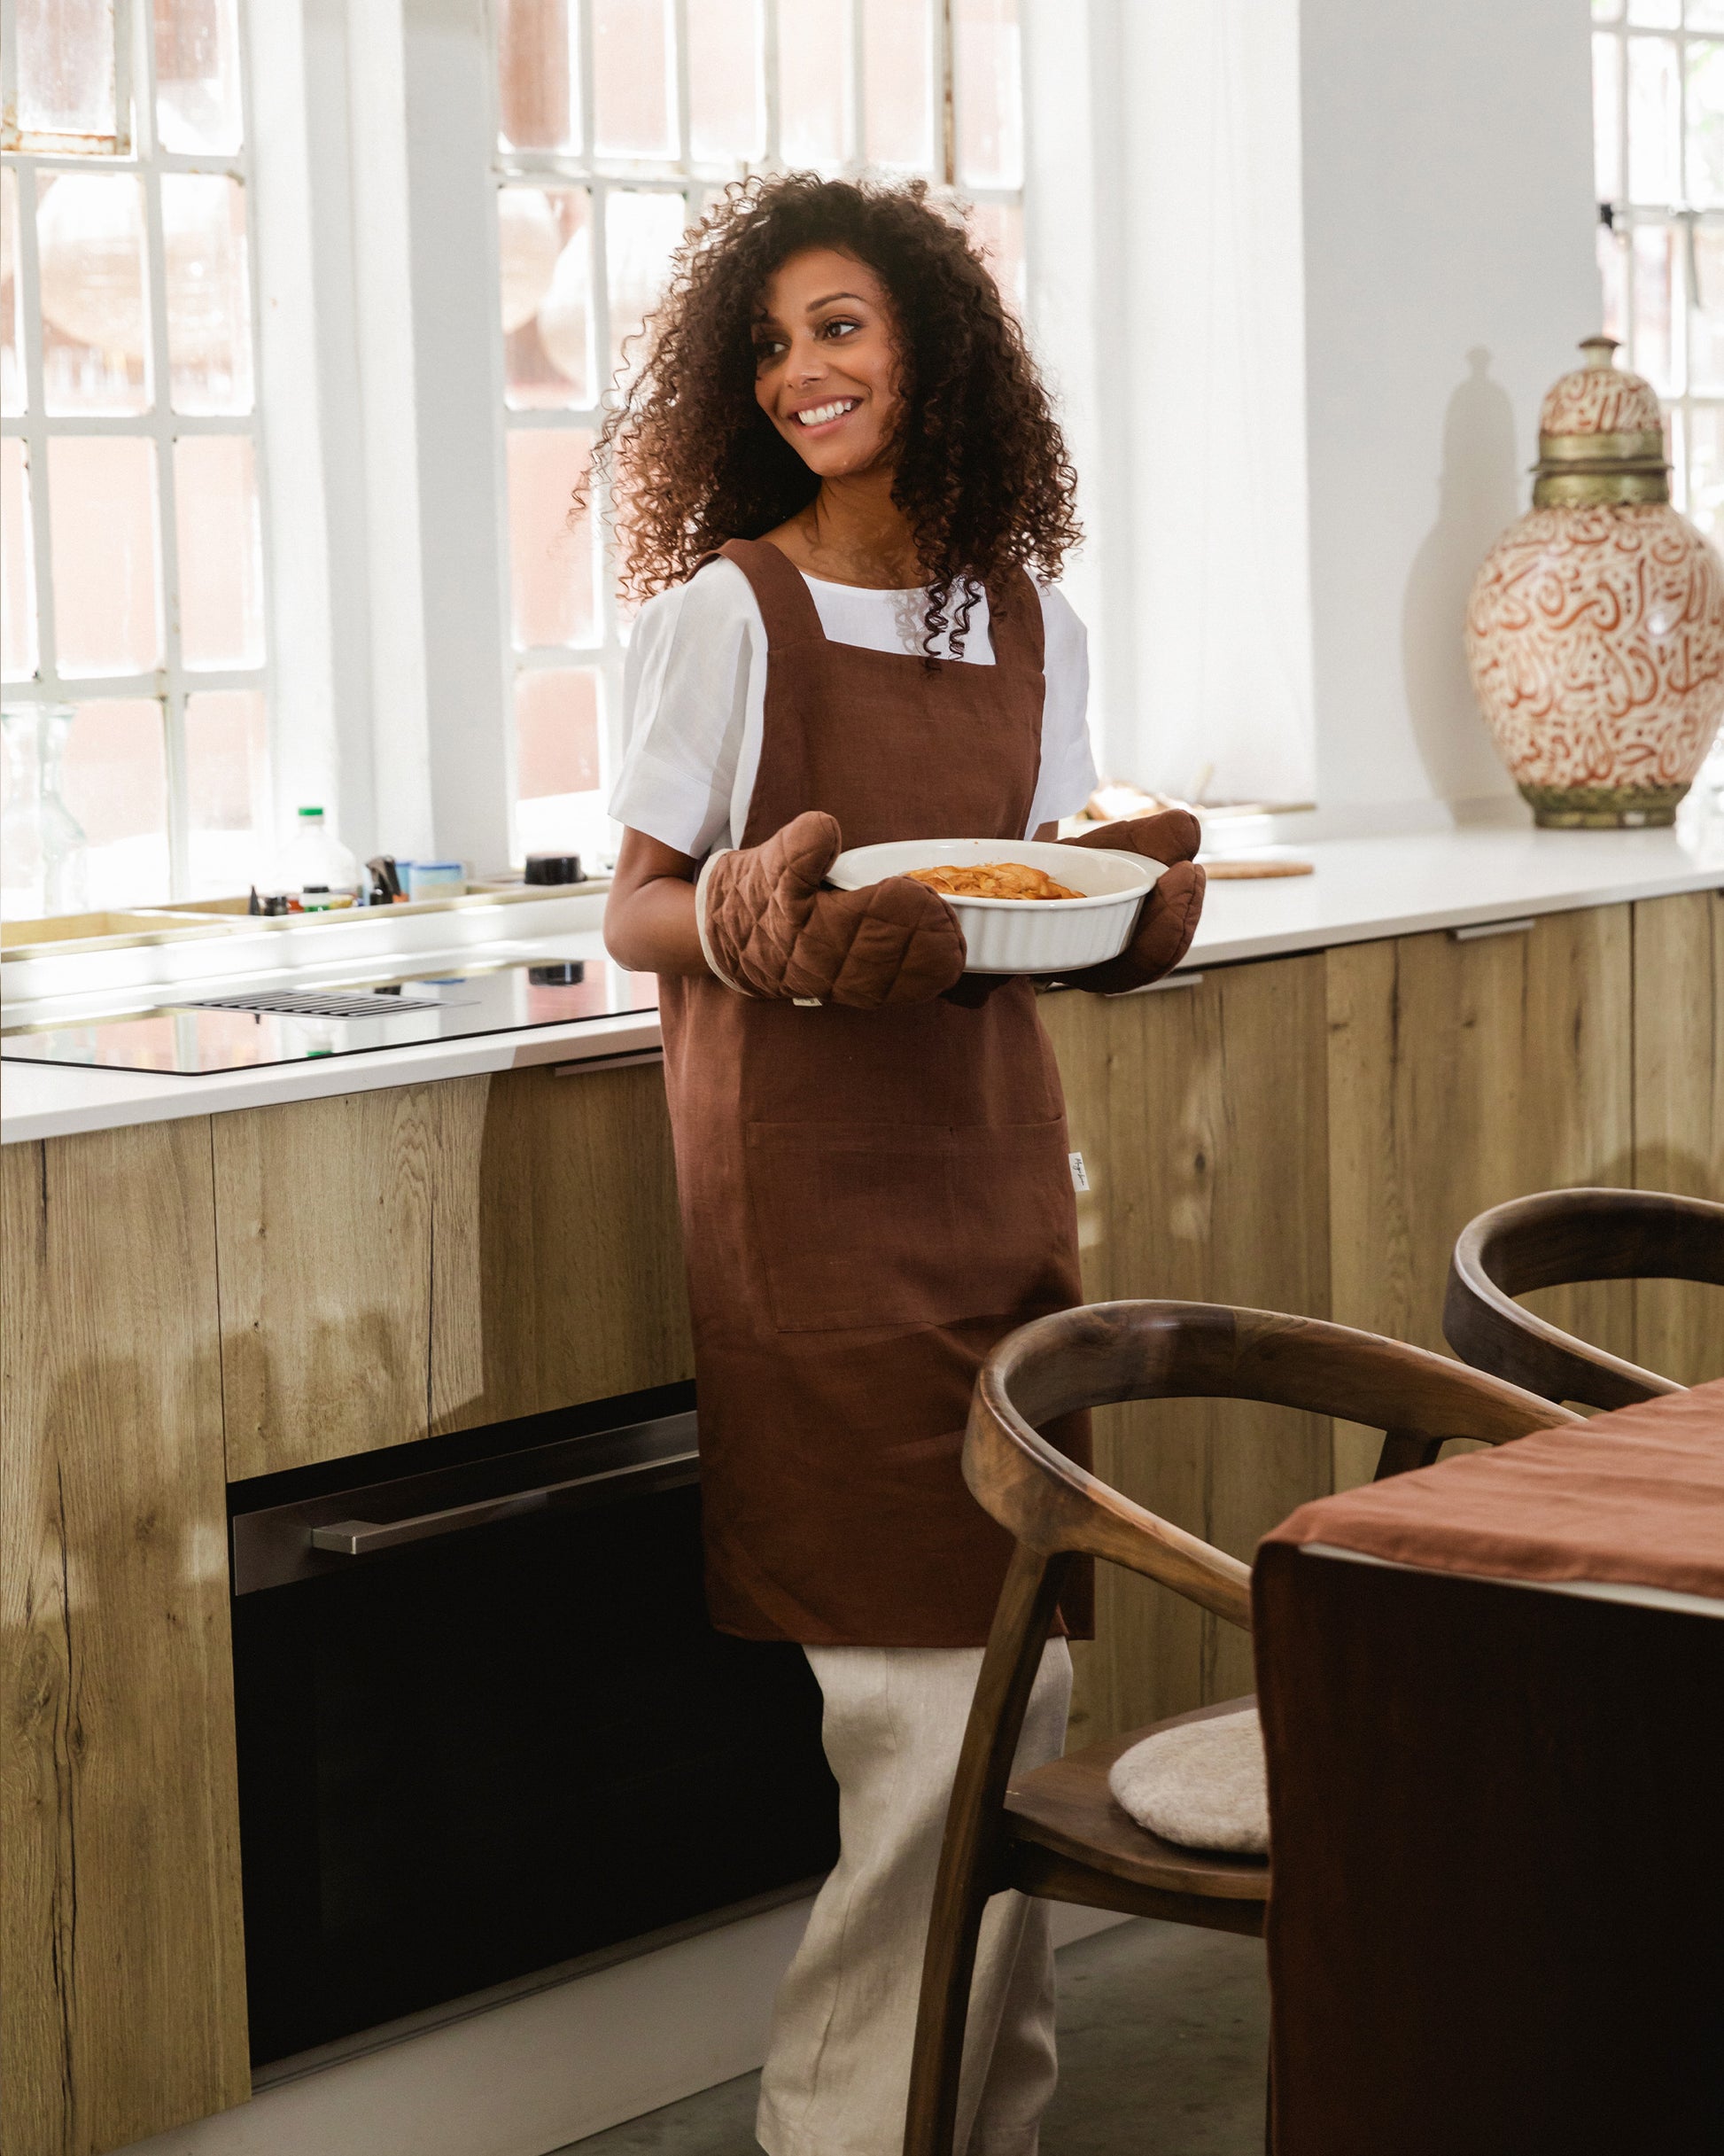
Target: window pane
{"points": [[1655, 14], [895, 84], [997, 229], [1654, 135], [548, 354], [537, 97], [209, 310], [1706, 15], [11, 320], [95, 341], [102, 527], [1705, 123], [1606, 10], [557, 732], [1706, 320], [196, 76], [641, 233], [227, 778], [726, 108], [550, 557], [1607, 118], [115, 784], [811, 79], [1654, 259], [1706, 469], [988, 93], [43, 858], [220, 553], [65, 57], [528, 244], [18, 583], [633, 103]]}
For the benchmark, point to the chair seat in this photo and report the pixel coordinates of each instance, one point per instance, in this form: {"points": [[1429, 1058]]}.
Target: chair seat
{"points": [[1069, 1808]]}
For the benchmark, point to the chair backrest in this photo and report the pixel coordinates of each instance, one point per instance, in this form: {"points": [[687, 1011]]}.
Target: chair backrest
{"points": [[1552, 1240], [1104, 1352]]}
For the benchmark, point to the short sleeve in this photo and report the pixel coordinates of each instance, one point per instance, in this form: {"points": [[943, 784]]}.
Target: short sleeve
{"points": [[1067, 775], [694, 677]]}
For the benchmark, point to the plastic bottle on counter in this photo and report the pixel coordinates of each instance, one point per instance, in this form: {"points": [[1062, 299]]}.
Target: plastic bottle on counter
{"points": [[316, 863]]}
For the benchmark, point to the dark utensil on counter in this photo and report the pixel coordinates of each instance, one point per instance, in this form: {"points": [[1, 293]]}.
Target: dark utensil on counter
{"points": [[552, 868], [568, 973], [385, 879]]}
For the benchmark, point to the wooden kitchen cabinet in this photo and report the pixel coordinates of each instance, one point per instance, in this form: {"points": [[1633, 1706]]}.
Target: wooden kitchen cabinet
{"points": [[435, 1258], [192, 1302], [1679, 1112], [122, 1976], [1463, 1073], [559, 1273], [1200, 1112]]}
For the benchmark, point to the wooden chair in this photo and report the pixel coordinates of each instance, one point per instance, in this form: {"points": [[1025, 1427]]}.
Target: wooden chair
{"points": [[1058, 1833], [1555, 1239]]}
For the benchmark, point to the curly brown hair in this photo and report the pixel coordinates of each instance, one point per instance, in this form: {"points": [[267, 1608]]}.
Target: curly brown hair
{"points": [[982, 473]]}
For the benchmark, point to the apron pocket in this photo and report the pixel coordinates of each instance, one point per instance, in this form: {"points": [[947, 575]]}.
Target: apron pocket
{"points": [[909, 1224]]}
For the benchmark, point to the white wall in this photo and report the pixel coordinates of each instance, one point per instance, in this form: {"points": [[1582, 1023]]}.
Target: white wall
{"points": [[1336, 251], [1448, 273]]}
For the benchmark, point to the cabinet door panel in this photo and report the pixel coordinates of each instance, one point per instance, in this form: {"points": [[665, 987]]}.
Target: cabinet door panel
{"points": [[122, 1981], [1201, 1111], [1679, 1112], [325, 1239], [1460, 1075], [559, 1275]]}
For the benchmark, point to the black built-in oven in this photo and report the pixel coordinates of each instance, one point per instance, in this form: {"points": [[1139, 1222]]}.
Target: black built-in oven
{"points": [[485, 1727]]}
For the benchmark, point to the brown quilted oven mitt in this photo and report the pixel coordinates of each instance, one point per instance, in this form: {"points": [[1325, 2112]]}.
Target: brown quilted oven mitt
{"points": [[768, 929], [1167, 919]]}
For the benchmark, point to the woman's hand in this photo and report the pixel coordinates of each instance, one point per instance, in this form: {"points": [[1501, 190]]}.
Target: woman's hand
{"points": [[1167, 919], [768, 930]]}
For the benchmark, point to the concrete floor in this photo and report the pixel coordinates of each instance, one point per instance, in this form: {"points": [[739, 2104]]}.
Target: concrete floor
{"points": [[1163, 2044]]}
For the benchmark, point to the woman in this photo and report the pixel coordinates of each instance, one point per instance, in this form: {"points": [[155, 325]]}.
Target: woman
{"points": [[871, 1149]]}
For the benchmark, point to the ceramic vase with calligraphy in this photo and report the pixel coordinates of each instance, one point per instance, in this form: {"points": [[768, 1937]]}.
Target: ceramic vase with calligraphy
{"points": [[1594, 631]]}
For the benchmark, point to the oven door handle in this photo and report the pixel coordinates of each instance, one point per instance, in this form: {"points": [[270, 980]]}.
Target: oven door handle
{"points": [[366, 1537]]}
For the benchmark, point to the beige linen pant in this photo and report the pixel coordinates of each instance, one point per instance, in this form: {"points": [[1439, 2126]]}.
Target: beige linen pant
{"points": [[837, 2071]]}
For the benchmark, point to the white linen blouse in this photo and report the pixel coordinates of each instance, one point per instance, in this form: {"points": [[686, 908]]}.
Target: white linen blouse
{"points": [[694, 689]]}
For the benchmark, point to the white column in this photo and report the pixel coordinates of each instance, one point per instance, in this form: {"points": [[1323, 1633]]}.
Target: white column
{"points": [[450, 150], [307, 747]]}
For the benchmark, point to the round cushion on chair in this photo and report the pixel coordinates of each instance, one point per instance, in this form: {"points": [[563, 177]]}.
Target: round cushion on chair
{"points": [[1202, 1784]]}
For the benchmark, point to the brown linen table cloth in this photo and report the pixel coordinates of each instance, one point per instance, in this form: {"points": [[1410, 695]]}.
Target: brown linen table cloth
{"points": [[1497, 1809]]}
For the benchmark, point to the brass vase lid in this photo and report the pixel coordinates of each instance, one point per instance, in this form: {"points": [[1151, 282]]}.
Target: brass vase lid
{"points": [[1601, 436]]}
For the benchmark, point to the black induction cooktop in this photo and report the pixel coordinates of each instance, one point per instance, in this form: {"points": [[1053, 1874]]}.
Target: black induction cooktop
{"points": [[240, 1032]]}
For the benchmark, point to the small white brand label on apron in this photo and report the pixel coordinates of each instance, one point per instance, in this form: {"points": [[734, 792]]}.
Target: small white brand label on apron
{"points": [[1080, 1174]]}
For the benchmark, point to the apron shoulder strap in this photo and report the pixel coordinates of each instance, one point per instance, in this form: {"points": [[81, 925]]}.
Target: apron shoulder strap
{"points": [[1015, 621], [787, 605]]}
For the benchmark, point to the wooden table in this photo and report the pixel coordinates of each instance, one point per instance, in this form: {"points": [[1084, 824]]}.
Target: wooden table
{"points": [[1493, 1701]]}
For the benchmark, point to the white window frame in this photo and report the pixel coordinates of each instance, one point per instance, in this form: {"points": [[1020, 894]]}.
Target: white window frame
{"points": [[1682, 218], [170, 684]]}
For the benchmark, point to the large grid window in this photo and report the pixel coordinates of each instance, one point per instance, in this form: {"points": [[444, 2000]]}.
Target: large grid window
{"points": [[1658, 71], [132, 582], [616, 119]]}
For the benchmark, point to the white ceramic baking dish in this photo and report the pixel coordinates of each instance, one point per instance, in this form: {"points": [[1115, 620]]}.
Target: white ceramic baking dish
{"points": [[1022, 935]]}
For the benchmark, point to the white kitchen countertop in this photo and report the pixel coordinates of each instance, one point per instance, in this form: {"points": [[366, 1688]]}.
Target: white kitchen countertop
{"points": [[1363, 888]]}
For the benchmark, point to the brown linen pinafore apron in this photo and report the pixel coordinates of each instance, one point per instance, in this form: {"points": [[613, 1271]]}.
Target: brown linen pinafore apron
{"points": [[870, 1199]]}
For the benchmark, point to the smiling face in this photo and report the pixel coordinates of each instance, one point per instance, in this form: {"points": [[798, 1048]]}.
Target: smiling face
{"points": [[826, 362]]}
